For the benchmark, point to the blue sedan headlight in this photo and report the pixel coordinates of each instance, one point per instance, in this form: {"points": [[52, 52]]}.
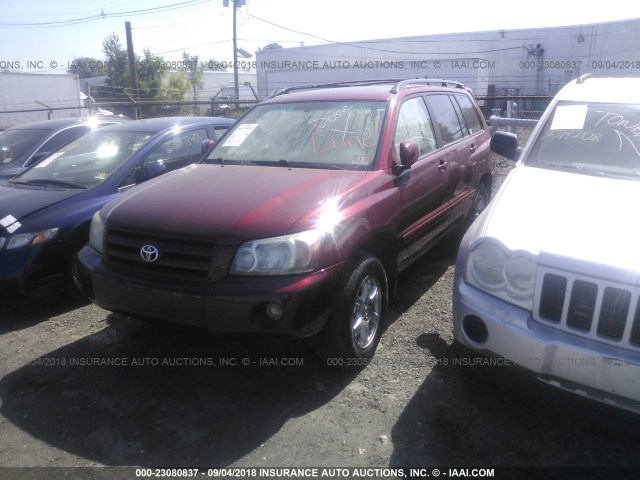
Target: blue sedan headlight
{"points": [[27, 239]]}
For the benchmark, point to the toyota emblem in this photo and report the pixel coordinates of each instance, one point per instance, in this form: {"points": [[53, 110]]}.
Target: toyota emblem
{"points": [[149, 253]]}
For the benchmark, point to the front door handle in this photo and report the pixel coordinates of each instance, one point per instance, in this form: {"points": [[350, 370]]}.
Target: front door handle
{"points": [[473, 148]]}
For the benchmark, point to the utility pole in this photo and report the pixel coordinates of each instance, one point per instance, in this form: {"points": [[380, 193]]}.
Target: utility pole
{"points": [[132, 64], [538, 52], [236, 4]]}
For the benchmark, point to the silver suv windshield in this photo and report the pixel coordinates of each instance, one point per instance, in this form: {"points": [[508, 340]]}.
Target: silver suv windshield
{"points": [[590, 138], [85, 162], [340, 135]]}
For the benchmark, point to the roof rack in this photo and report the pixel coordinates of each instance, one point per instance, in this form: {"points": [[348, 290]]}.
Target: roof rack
{"points": [[398, 84], [350, 83], [404, 84], [584, 77]]}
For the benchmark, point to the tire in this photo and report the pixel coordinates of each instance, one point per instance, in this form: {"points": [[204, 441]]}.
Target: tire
{"points": [[74, 287], [480, 202], [353, 330]]}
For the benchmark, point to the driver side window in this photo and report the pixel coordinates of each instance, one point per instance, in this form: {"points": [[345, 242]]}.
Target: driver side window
{"points": [[176, 152], [181, 149], [415, 124]]}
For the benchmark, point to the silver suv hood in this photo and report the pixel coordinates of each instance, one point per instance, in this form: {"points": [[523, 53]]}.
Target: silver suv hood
{"points": [[576, 216]]}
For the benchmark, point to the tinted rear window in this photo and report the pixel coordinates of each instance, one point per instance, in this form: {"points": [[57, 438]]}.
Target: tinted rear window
{"points": [[445, 117], [14, 143], [469, 113]]}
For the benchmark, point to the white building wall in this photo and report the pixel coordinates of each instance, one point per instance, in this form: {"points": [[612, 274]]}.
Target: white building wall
{"points": [[22, 92], [213, 81], [528, 61]]}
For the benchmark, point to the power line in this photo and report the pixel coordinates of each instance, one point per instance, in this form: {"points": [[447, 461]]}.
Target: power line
{"points": [[103, 15], [364, 47]]}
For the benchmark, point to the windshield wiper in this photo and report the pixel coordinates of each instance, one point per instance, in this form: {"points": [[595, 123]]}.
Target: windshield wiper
{"points": [[283, 162], [320, 165], [50, 182], [226, 161], [219, 160], [288, 164]]}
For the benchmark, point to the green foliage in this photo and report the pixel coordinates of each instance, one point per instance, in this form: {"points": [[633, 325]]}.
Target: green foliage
{"points": [[271, 46], [87, 67], [174, 90], [194, 72], [151, 72], [116, 62]]}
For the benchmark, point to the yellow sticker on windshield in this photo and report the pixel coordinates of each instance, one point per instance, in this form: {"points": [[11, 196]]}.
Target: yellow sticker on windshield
{"points": [[569, 117]]}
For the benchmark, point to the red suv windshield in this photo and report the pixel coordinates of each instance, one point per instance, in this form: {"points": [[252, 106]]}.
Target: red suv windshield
{"points": [[308, 134]]}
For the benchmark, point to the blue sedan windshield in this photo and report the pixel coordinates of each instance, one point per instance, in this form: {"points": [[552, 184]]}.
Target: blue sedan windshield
{"points": [[88, 160]]}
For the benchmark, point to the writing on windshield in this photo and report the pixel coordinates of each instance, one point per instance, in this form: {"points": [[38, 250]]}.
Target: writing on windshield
{"points": [[320, 133]]}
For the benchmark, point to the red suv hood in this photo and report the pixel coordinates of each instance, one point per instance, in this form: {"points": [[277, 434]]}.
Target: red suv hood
{"points": [[205, 201]]}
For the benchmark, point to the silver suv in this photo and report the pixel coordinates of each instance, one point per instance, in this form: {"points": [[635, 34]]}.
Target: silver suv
{"points": [[548, 277]]}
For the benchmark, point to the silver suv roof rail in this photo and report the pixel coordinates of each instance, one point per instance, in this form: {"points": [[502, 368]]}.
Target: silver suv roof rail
{"points": [[584, 77], [398, 84]]}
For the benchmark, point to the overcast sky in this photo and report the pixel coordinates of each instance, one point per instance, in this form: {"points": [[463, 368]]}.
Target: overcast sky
{"points": [[52, 33]]}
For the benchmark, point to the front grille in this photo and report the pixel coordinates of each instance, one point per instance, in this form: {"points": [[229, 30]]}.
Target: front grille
{"points": [[590, 307], [178, 257]]}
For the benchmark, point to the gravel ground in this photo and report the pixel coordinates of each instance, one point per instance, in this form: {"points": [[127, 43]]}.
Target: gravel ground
{"points": [[82, 387]]}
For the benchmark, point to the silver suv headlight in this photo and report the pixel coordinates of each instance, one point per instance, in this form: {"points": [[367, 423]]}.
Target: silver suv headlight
{"points": [[96, 232], [504, 274], [289, 254], [26, 239]]}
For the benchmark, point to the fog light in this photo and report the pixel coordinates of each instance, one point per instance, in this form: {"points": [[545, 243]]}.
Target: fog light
{"points": [[475, 329], [274, 311]]}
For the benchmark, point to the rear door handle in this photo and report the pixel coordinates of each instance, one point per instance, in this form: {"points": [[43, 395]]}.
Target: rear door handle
{"points": [[443, 166], [473, 148]]}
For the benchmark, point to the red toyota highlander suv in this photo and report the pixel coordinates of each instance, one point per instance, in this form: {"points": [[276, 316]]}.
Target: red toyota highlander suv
{"points": [[300, 218]]}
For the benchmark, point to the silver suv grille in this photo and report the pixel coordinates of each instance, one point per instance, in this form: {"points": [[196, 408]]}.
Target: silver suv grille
{"points": [[604, 311]]}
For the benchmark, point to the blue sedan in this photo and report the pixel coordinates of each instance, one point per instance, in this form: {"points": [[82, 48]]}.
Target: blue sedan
{"points": [[45, 211], [27, 144]]}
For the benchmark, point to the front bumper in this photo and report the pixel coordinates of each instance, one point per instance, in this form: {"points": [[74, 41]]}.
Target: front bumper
{"points": [[583, 366], [24, 270], [231, 305]]}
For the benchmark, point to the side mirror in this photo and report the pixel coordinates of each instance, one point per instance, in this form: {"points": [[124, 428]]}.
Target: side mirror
{"points": [[207, 145], [505, 144], [409, 153], [153, 169]]}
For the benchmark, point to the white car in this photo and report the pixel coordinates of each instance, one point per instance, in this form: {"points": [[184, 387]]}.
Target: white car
{"points": [[548, 276]]}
